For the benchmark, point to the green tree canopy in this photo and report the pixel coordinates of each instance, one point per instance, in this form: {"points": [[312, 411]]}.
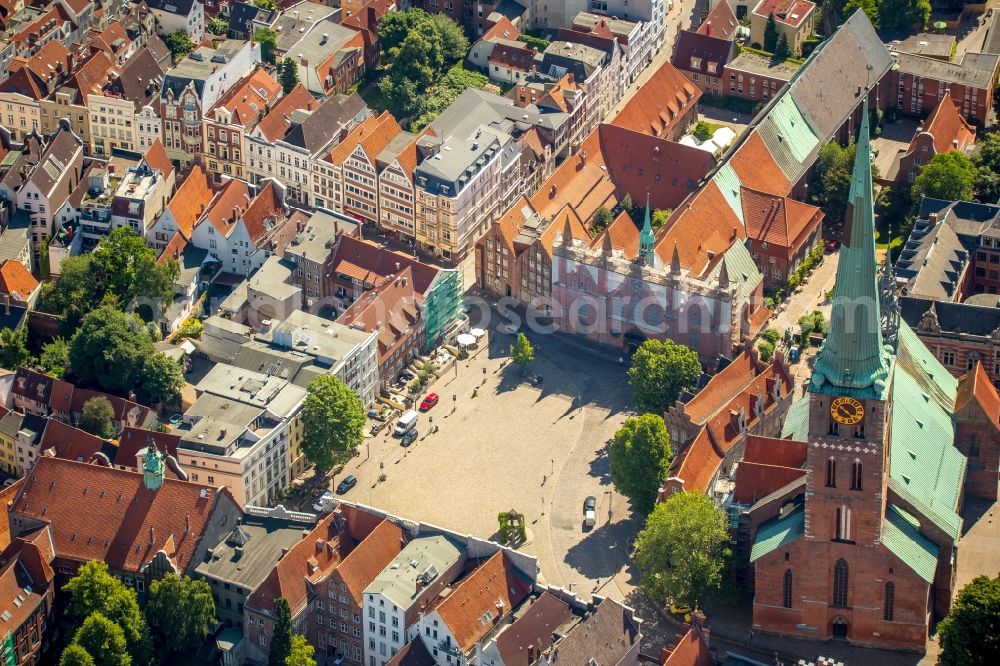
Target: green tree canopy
{"points": [[103, 640], [702, 131], [903, 14], [948, 176], [160, 380], [781, 49], [640, 457], [970, 634], [14, 349], [74, 655], [179, 44], [98, 417], [869, 7], [268, 40], [183, 609], [659, 217], [301, 653], [333, 420], [682, 551], [659, 372], [445, 92], [54, 358], [288, 74], [271, 5], [987, 160], [834, 165], [454, 43], [109, 348], [281, 637], [601, 220], [218, 26], [521, 352], [770, 34], [94, 590]]}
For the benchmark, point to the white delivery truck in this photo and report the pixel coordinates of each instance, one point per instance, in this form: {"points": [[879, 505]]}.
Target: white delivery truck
{"points": [[406, 423]]}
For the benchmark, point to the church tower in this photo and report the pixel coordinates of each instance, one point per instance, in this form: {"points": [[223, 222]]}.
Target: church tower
{"points": [[847, 455], [647, 238]]}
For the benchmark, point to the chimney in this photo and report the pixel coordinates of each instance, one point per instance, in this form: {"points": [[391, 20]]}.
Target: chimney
{"points": [[932, 218], [6, 304], [152, 535], [187, 523], [708, 28]]}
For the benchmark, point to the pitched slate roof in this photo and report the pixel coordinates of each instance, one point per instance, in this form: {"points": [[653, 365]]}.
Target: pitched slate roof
{"points": [[694, 52], [901, 535], [778, 531], [534, 628], [140, 78], [413, 653], [317, 130], [606, 636], [127, 524], [493, 590]]}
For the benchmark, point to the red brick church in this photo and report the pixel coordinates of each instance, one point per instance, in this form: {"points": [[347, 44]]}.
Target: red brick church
{"points": [[867, 548]]}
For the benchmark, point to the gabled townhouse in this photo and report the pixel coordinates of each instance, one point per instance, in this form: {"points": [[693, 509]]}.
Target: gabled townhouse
{"points": [[27, 576], [194, 86], [41, 395], [10, 427], [125, 113], [396, 187], [125, 413], [194, 271], [247, 18], [229, 121], [942, 132], [139, 199], [365, 20], [29, 81], [633, 38], [50, 24], [70, 99], [114, 41], [17, 285], [180, 522], [261, 154], [183, 210], [83, 13], [185, 15], [353, 165], [594, 62], [702, 53], [301, 135], [236, 229], [330, 57]]}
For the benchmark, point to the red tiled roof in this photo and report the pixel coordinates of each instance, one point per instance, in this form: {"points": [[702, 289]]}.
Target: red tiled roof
{"points": [[131, 413], [372, 134], [721, 22], [133, 440], [264, 206], [756, 168], [789, 12], [975, 385], [227, 206], [659, 102], [92, 75], [55, 393], [276, 123], [156, 158], [557, 228], [722, 387], [69, 442], [755, 481], [367, 261], [697, 463], [7, 496], [502, 29], [174, 248], [16, 281], [19, 590], [35, 76], [496, 587], [705, 224], [949, 129], [190, 200], [126, 524], [250, 97], [773, 451], [372, 555], [624, 236], [776, 220], [515, 57], [692, 648], [390, 310]]}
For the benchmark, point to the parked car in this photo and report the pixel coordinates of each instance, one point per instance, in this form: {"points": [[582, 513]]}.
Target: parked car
{"points": [[590, 504], [409, 437], [430, 400], [175, 419], [590, 511], [349, 482], [832, 245], [406, 374]]}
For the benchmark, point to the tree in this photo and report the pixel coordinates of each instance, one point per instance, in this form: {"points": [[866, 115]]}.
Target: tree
{"points": [[766, 350], [781, 49], [288, 74], [334, 421], [445, 92], [72, 295], [125, 266], [74, 655], [179, 44], [454, 43], [601, 220], [682, 551], [869, 7], [160, 380], [271, 5], [98, 417], [108, 349], [640, 457], [702, 131], [659, 372], [268, 40], [94, 590], [987, 160], [218, 26], [183, 609], [950, 176], [770, 34], [659, 217], [970, 634], [281, 637], [904, 14], [14, 348], [832, 184], [103, 640], [54, 358], [521, 352], [301, 652]]}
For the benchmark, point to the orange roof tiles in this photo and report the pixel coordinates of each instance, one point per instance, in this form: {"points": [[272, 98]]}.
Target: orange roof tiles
{"points": [[156, 158], [757, 169], [274, 125], [133, 440], [368, 261], [249, 98], [721, 22], [949, 129], [790, 12], [16, 281], [373, 134], [722, 387], [774, 451], [266, 205], [697, 463], [390, 310], [659, 102], [227, 205], [69, 442], [92, 74], [6, 497], [624, 236], [174, 248], [502, 29], [372, 555], [706, 224], [19, 591], [692, 648], [975, 385], [127, 524], [495, 587], [190, 200], [755, 481], [777, 220], [557, 228]]}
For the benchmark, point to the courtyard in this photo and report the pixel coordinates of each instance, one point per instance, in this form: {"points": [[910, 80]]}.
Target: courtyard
{"points": [[535, 443]]}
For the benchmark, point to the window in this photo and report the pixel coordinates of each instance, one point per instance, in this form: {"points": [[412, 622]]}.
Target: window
{"points": [[787, 597], [947, 357], [831, 473], [856, 475], [973, 446], [843, 532], [859, 430], [890, 597], [840, 574]]}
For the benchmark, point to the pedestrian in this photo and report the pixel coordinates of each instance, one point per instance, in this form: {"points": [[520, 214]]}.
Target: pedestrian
{"points": [[621, 360]]}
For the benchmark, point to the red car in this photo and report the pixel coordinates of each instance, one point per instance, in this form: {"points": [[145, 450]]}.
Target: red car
{"points": [[429, 401]]}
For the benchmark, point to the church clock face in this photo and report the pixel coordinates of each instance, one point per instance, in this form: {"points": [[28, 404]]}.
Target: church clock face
{"points": [[847, 411]]}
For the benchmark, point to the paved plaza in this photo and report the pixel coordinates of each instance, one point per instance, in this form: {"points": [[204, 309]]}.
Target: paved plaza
{"points": [[538, 448]]}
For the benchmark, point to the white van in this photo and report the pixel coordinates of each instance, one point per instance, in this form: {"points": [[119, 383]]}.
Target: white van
{"points": [[405, 423]]}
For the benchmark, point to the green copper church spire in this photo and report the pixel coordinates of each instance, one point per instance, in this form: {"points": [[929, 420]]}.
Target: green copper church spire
{"points": [[646, 238], [853, 360]]}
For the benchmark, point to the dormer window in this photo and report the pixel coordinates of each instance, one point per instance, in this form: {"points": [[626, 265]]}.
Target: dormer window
{"points": [[713, 68], [695, 62]]}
